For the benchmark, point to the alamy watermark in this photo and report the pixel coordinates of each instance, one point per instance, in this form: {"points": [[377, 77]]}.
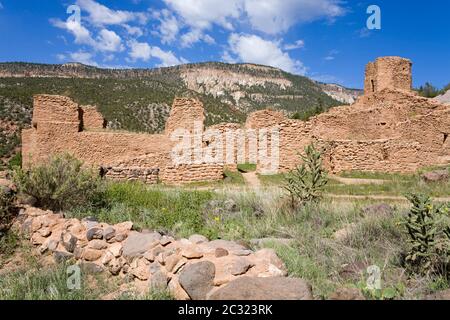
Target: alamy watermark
{"points": [[257, 146], [374, 20]]}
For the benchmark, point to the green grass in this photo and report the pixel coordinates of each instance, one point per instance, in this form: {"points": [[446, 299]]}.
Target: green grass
{"points": [[152, 207], [246, 167], [395, 185]]}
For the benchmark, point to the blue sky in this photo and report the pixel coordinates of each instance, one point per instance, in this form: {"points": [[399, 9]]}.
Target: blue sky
{"points": [[325, 40]]}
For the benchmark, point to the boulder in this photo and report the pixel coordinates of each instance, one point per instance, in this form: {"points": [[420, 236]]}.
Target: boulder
{"points": [[196, 238], [97, 244], [62, 256], [137, 244], [240, 266], [94, 233], [68, 241], [92, 254], [198, 279], [109, 233], [436, 176], [221, 252], [246, 288]]}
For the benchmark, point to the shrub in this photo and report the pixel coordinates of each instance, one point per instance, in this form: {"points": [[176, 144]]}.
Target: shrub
{"points": [[306, 182], [60, 184], [428, 229], [8, 209]]}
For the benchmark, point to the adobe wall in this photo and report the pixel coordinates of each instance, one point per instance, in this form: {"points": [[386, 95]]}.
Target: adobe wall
{"points": [[389, 130], [388, 72], [58, 125], [92, 119]]}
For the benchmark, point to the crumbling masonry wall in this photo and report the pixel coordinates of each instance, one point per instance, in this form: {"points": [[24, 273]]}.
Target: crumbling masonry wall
{"points": [[59, 127], [388, 72], [389, 129]]}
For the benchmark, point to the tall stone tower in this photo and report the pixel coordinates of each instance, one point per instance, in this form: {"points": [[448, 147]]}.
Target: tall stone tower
{"points": [[388, 72]]}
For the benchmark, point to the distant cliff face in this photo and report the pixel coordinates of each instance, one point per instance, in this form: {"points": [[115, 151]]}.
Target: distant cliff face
{"points": [[340, 93], [140, 99]]}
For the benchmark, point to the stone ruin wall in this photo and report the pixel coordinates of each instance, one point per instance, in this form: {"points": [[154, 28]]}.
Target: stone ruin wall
{"points": [[58, 125], [389, 130], [388, 72]]}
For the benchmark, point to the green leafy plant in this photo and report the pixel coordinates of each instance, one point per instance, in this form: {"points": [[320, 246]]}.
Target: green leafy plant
{"points": [[429, 236], [62, 183], [307, 181]]}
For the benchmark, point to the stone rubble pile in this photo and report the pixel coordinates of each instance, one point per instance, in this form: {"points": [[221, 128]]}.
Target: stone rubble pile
{"points": [[193, 268]]}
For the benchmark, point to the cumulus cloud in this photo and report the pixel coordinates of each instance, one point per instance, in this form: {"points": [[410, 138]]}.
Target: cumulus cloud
{"points": [[106, 41], [296, 45], [83, 57], [82, 34], [143, 51], [194, 36], [101, 15], [109, 41], [169, 26], [254, 49], [274, 16], [269, 16], [202, 14]]}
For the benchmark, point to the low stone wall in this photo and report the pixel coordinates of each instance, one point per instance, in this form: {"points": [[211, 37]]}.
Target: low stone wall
{"points": [[190, 173], [148, 176], [193, 268]]}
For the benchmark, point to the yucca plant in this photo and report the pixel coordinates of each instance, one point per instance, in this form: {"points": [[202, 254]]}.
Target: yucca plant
{"points": [[307, 181]]}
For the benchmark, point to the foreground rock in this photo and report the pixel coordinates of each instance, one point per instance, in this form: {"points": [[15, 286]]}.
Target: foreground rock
{"points": [[246, 288], [193, 268]]}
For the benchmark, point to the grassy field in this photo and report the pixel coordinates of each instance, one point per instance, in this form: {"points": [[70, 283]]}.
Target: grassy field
{"points": [[393, 184], [315, 253]]}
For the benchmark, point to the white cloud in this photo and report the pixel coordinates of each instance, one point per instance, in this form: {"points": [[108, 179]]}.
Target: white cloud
{"points": [[202, 14], [169, 26], [254, 49], [101, 15], [167, 58], [83, 57], [133, 30], [296, 45], [194, 36], [331, 55], [269, 16], [108, 41], [82, 35], [143, 51], [275, 16], [139, 50]]}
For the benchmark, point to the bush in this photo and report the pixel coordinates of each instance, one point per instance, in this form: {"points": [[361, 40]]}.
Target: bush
{"points": [[306, 182], [8, 209], [428, 229], [60, 184]]}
